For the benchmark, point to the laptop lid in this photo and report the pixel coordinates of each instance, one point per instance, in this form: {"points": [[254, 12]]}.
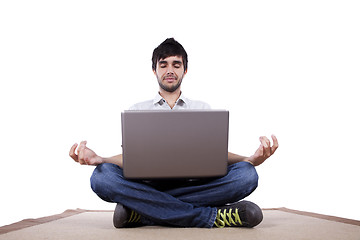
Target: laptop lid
{"points": [[175, 144]]}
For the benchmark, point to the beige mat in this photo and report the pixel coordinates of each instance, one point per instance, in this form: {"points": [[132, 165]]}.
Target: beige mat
{"points": [[277, 224]]}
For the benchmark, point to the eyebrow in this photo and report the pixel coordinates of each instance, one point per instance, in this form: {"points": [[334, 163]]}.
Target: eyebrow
{"points": [[162, 62], [174, 62]]}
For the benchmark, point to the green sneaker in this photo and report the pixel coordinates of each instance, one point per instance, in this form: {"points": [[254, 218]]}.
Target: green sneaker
{"points": [[240, 214], [124, 217]]}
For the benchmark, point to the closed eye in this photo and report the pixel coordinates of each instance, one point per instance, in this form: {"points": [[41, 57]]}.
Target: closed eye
{"points": [[177, 64]]}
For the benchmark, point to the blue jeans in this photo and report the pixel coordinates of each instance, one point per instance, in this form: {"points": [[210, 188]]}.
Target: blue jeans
{"points": [[175, 203]]}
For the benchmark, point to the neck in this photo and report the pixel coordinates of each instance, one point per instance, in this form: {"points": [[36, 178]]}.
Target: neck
{"points": [[170, 97]]}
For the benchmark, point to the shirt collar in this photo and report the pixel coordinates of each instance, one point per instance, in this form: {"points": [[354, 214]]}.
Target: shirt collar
{"points": [[158, 98], [183, 98]]}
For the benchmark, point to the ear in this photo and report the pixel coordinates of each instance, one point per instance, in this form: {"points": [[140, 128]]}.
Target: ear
{"points": [[154, 71]]}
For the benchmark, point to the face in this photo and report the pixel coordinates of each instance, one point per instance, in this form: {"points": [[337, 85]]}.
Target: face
{"points": [[170, 72]]}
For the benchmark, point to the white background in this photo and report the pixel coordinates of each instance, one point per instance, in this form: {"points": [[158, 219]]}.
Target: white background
{"points": [[68, 69]]}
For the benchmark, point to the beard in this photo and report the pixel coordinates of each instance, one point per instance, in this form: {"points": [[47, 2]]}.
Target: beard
{"points": [[171, 88]]}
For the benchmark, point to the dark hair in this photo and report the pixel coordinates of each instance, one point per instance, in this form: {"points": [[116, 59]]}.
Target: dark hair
{"points": [[170, 47]]}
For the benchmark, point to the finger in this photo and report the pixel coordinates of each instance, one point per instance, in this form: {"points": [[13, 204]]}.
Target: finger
{"points": [[266, 143], [88, 161], [81, 157], [81, 146], [275, 143], [260, 151], [72, 152], [81, 151]]}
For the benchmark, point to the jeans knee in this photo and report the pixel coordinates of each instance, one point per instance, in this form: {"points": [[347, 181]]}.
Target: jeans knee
{"points": [[246, 180], [96, 179], [100, 180], [252, 178]]}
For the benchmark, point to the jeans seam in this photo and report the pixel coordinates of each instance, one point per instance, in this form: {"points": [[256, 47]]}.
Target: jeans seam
{"points": [[212, 218]]}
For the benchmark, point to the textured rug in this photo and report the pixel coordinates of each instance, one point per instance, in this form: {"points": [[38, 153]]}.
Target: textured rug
{"points": [[280, 223]]}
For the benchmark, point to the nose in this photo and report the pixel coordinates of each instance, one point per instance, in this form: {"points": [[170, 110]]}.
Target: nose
{"points": [[170, 70]]}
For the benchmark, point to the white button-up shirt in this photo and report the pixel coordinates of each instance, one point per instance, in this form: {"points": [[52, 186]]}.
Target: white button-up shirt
{"points": [[159, 103]]}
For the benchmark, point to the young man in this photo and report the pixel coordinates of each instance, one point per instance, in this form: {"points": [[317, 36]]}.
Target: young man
{"points": [[197, 203]]}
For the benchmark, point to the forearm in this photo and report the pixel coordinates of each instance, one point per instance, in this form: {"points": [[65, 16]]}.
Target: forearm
{"points": [[234, 158], [117, 160]]}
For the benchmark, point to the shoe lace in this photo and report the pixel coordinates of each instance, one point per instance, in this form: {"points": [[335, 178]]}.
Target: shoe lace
{"points": [[134, 217], [228, 218]]}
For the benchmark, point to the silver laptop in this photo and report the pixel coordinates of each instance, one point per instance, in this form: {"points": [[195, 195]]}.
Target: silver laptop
{"points": [[175, 144]]}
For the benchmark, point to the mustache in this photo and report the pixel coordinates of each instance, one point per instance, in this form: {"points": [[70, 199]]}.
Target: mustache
{"points": [[170, 76]]}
